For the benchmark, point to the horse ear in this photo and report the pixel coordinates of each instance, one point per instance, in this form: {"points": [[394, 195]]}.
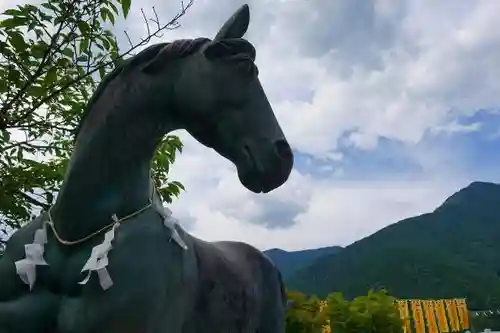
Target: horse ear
{"points": [[236, 25]]}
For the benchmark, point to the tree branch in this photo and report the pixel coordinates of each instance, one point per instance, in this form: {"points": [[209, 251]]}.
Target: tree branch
{"points": [[32, 200], [17, 96]]}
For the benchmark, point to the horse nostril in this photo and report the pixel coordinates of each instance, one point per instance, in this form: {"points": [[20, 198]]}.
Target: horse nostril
{"points": [[283, 149]]}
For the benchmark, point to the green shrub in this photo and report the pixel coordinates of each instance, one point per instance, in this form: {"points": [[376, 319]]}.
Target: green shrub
{"points": [[375, 313], [304, 315]]}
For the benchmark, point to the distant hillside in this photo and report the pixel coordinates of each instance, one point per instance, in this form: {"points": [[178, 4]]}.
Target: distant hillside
{"points": [[289, 262], [451, 252]]}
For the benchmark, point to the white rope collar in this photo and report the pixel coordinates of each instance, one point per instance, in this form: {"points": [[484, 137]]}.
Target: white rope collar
{"points": [[98, 260]]}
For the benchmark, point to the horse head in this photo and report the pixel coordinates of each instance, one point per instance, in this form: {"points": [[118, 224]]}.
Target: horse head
{"points": [[219, 100]]}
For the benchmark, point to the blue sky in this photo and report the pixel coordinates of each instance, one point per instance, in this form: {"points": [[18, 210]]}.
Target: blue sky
{"points": [[478, 150], [474, 150], [471, 144]]}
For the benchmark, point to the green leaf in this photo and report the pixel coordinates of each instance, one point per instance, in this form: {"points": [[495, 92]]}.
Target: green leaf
{"points": [[113, 7], [13, 22], [12, 12], [49, 197], [82, 58], [14, 76], [111, 17], [58, 20], [17, 41], [84, 45], [45, 17], [125, 7], [39, 50], [63, 62], [102, 72], [37, 91], [39, 33], [83, 27], [68, 52], [51, 76], [104, 14], [3, 86], [28, 8], [179, 185], [48, 6], [106, 44]]}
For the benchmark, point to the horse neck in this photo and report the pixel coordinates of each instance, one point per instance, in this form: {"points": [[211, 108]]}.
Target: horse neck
{"points": [[109, 173]]}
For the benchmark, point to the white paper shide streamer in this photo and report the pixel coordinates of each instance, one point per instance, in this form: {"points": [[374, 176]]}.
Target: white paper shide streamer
{"points": [[26, 268], [98, 260], [169, 221]]}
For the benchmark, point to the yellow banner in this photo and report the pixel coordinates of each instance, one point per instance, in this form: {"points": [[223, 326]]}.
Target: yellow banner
{"points": [[323, 306], [451, 308], [404, 313], [441, 316], [418, 315], [430, 317], [463, 313]]}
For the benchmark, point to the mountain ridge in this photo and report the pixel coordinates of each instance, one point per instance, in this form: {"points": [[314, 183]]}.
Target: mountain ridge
{"points": [[288, 262], [453, 251]]}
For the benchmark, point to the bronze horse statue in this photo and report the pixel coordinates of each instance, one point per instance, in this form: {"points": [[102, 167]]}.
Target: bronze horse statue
{"points": [[106, 258]]}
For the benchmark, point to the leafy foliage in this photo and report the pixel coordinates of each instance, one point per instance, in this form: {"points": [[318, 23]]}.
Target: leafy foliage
{"points": [[451, 252], [52, 57], [305, 314], [374, 313]]}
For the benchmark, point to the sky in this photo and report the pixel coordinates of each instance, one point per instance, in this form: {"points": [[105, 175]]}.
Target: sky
{"points": [[390, 107]]}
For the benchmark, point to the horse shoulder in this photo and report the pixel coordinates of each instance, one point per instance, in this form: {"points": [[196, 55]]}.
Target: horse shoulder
{"points": [[15, 245], [22, 310]]}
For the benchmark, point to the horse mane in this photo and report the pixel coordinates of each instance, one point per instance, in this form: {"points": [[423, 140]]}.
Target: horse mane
{"points": [[177, 49]]}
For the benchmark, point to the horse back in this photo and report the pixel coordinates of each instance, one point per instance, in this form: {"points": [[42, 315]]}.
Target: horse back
{"points": [[236, 282]]}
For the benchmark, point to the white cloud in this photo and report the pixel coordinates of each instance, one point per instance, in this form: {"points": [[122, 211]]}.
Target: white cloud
{"points": [[325, 211], [433, 64], [455, 127]]}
